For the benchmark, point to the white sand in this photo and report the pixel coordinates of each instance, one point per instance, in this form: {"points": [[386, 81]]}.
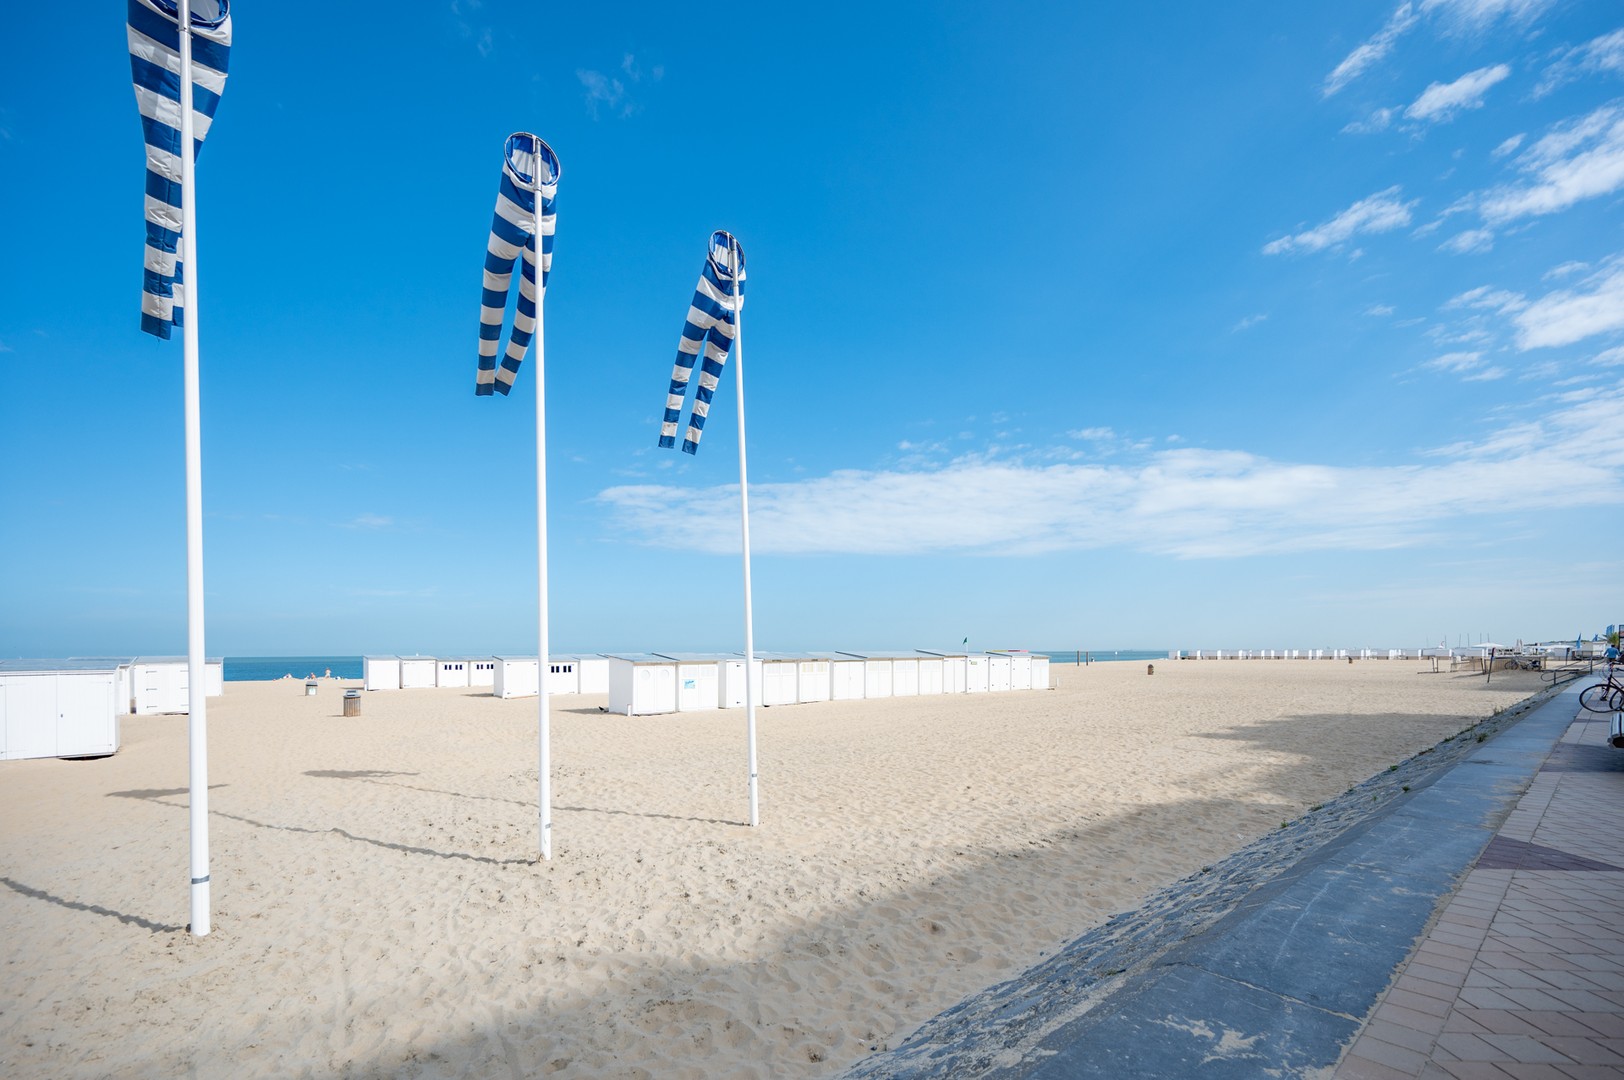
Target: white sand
{"points": [[379, 909]]}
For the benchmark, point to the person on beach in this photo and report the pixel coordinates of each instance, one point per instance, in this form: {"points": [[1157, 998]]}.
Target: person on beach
{"points": [[329, 674]]}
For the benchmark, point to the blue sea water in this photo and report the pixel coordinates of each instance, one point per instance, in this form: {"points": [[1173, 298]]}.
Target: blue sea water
{"points": [[266, 668], [1070, 656]]}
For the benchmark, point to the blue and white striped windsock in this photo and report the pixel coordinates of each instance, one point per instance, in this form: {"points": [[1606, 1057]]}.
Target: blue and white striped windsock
{"points": [[529, 168], [712, 322], [154, 32]]}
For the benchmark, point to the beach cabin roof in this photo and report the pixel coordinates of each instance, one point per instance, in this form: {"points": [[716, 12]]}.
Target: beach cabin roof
{"points": [[57, 666], [416, 656], [467, 659], [895, 654], [381, 657], [810, 655], [701, 657], [767, 654], [942, 652], [641, 658], [517, 659], [170, 660]]}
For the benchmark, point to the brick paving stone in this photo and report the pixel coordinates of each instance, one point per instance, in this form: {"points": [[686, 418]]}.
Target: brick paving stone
{"points": [[1355, 1067], [1584, 1051]]}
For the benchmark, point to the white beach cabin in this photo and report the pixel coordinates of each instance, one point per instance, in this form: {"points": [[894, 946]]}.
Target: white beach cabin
{"points": [[932, 673], [1040, 672], [1020, 668], [417, 672], [515, 676], [380, 672], [451, 672], [563, 677], [845, 677], [162, 684], [699, 680], [780, 673], [481, 671], [814, 678], [997, 672], [732, 687], [59, 708], [642, 684], [593, 672], [977, 674], [877, 674], [953, 669]]}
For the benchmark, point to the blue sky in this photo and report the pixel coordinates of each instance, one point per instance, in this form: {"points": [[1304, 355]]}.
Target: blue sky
{"points": [[1166, 325]]}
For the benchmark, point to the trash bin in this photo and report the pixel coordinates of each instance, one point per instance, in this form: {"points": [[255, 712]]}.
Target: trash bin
{"points": [[352, 703], [310, 688]]}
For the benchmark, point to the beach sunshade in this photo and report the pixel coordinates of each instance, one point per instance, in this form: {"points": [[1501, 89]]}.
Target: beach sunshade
{"points": [[529, 169], [712, 322], [155, 69]]}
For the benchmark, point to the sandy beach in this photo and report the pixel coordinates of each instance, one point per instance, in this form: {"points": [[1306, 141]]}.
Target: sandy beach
{"points": [[379, 909]]}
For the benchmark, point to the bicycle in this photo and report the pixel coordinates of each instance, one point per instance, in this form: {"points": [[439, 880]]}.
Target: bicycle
{"points": [[1605, 696]]}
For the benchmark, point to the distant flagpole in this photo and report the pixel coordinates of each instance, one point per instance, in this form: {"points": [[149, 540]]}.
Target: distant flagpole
{"points": [[744, 529], [197, 681]]}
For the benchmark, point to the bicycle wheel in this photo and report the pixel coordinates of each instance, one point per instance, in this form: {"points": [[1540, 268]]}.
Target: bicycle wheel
{"points": [[1598, 698], [1616, 702]]}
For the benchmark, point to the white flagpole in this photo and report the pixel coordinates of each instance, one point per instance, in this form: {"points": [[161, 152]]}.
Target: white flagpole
{"points": [[744, 523], [197, 682], [544, 734]]}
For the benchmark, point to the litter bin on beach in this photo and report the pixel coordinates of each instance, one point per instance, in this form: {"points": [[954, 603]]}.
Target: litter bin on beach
{"points": [[352, 703], [310, 688]]}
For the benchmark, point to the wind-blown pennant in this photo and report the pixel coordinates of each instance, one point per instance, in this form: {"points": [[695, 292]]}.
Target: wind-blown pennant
{"points": [[529, 169], [712, 322], [154, 36]]}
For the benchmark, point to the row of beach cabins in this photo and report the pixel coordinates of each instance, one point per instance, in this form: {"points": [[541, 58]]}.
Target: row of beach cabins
{"points": [[644, 684], [71, 708], [1469, 655]]}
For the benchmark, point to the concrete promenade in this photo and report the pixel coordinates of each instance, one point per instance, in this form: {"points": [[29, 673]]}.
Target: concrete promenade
{"points": [[1474, 928]]}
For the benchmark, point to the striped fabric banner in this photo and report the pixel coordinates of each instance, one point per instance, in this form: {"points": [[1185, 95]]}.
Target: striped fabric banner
{"points": [[712, 319], [154, 34], [513, 230]]}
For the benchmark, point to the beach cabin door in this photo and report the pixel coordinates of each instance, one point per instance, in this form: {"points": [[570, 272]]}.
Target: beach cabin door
{"points": [[975, 675], [698, 687]]}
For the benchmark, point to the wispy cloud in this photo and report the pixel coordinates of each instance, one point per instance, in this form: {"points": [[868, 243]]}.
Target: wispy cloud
{"points": [[1379, 310], [612, 93], [1469, 242], [1581, 159], [1370, 52], [1563, 317], [368, 521], [1508, 147], [1247, 323], [1187, 503], [481, 35], [1447, 16], [1440, 102], [1380, 212], [1376, 122], [1599, 56]]}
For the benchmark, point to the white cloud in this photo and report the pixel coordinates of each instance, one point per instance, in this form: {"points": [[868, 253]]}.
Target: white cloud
{"points": [[1469, 242], [1441, 101], [1599, 56], [1188, 503], [1509, 146], [1477, 15], [1580, 160], [368, 521], [1566, 269], [1488, 298], [1613, 357], [611, 92], [1371, 52], [1378, 121], [1093, 434], [1569, 315], [1486, 375], [1379, 309], [1455, 362], [1247, 323], [1380, 212]]}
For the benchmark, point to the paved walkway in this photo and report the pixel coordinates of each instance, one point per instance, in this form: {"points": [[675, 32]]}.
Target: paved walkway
{"points": [[1523, 973], [1475, 930]]}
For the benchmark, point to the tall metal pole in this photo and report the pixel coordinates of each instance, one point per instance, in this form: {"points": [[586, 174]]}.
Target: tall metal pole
{"points": [[544, 733], [744, 525], [197, 683]]}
